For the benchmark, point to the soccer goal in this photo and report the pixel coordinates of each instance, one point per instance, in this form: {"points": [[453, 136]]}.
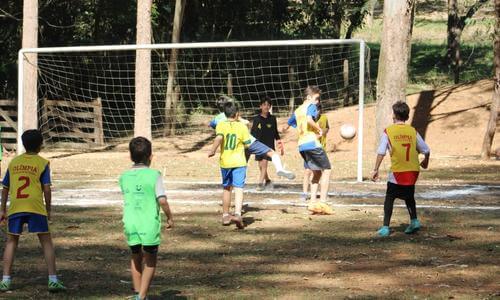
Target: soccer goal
{"points": [[86, 96]]}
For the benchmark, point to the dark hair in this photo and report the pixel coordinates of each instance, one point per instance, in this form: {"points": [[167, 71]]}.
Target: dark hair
{"points": [[32, 140], [230, 109], [222, 101], [266, 99], [140, 150], [311, 90], [401, 110]]}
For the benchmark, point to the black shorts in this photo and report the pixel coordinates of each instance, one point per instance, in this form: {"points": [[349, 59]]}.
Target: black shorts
{"points": [[262, 157], [149, 249], [316, 159], [403, 192]]}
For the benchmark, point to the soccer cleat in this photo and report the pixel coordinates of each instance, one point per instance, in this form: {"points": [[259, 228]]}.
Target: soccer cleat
{"points": [[56, 286], [260, 187], [413, 227], [384, 231], [5, 285], [226, 220], [287, 174], [238, 220]]}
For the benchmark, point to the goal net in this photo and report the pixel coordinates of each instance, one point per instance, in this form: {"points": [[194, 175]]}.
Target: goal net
{"points": [[86, 95]]}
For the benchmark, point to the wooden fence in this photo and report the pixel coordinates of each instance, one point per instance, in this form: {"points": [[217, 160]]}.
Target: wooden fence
{"points": [[8, 122]]}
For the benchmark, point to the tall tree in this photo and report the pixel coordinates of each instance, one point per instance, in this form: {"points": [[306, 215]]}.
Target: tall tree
{"points": [[456, 24], [394, 57], [142, 124], [30, 40], [495, 101], [172, 95]]}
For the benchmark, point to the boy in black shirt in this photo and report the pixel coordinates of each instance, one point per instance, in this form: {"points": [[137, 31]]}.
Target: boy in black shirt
{"points": [[265, 130]]}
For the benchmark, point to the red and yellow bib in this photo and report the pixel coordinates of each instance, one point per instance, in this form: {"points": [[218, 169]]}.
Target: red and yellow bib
{"points": [[404, 154], [25, 190]]}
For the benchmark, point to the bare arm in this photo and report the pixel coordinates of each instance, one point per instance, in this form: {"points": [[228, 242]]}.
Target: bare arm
{"points": [[425, 162], [47, 194], [378, 161], [3, 207], [216, 144], [310, 122], [166, 209]]}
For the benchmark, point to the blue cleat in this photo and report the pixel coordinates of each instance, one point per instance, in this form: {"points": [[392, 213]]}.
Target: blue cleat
{"points": [[414, 226], [384, 231]]}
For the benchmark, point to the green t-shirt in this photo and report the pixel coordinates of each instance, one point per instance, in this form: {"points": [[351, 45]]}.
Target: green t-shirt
{"points": [[141, 211]]}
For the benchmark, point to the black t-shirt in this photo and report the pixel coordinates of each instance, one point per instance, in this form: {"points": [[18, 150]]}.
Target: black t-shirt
{"points": [[265, 130]]}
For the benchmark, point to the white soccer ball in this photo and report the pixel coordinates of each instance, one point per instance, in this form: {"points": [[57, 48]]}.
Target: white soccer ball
{"points": [[347, 131]]}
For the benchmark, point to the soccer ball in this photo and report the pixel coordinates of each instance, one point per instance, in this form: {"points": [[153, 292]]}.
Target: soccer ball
{"points": [[347, 131]]}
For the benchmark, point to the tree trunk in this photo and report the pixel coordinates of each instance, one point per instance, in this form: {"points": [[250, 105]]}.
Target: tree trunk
{"points": [[456, 25], [495, 101], [30, 40], [393, 60], [171, 99], [454, 33], [142, 124]]}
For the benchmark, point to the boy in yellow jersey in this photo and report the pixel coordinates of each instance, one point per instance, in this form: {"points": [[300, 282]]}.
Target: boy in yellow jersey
{"points": [[27, 183], [310, 148], [325, 127], [144, 194], [232, 136], [404, 144]]}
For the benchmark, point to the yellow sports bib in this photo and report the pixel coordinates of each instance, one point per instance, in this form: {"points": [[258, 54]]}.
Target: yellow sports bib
{"points": [[235, 136], [323, 123], [403, 142], [25, 188], [306, 132]]}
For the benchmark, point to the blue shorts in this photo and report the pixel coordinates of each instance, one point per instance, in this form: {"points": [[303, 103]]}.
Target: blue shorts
{"points": [[36, 223], [234, 177], [258, 148]]}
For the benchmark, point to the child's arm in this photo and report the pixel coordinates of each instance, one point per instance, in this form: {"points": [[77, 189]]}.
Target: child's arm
{"points": [[327, 128], [381, 150], [47, 194], [3, 207], [423, 148], [166, 209], [378, 161], [217, 142]]}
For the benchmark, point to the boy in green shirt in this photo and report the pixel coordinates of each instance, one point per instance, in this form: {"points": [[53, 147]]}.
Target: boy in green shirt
{"points": [[143, 194]]}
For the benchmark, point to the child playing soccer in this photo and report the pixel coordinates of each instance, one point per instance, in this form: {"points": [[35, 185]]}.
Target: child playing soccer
{"points": [[232, 136], [27, 183], [144, 194], [325, 127], [255, 147], [265, 129], [404, 145], [310, 148]]}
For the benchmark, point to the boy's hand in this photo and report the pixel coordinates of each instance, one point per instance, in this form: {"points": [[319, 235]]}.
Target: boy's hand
{"points": [[170, 224], [374, 175], [211, 153]]}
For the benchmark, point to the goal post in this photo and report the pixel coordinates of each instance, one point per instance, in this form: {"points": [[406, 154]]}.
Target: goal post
{"points": [[72, 77]]}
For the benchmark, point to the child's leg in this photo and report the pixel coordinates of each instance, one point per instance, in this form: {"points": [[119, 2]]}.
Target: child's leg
{"points": [[410, 203], [314, 184], [48, 252], [226, 199], [306, 181], [389, 203], [263, 171], [136, 267], [325, 184], [148, 272], [9, 253], [238, 200]]}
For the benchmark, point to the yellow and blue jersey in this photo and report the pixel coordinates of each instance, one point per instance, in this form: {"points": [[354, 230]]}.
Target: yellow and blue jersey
{"points": [[307, 136], [323, 124], [235, 136], [25, 177]]}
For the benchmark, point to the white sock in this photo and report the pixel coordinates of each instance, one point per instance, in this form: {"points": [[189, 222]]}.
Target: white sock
{"points": [[276, 160], [53, 278], [6, 278]]}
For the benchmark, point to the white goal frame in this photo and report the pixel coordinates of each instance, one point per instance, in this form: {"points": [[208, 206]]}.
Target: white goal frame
{"points": [[361, 43]]}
